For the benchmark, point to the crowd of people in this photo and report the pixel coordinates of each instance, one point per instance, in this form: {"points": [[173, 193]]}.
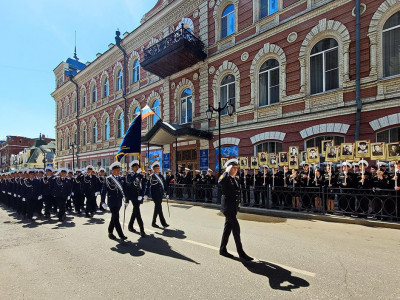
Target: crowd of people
{"points": [[47, 193]]}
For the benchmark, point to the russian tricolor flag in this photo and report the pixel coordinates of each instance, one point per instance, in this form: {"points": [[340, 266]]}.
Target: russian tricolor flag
{"points": [[146, 112]]}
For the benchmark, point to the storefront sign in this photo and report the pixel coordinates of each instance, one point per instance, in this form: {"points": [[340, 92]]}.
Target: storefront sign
{"points": [[204, 160], [166, 162]]}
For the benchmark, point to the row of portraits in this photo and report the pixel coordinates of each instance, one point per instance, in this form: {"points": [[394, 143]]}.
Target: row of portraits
{"points": [[332, 153]]}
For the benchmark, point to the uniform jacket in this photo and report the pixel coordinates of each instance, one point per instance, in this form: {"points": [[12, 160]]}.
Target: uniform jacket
{"points": [[157, 189], [113, 193], [230, 200]]}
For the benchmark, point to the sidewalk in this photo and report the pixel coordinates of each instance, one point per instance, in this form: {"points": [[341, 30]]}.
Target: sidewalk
{"points": [[298, 215]]}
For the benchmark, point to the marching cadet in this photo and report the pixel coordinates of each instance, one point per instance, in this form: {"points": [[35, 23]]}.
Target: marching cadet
{"points": [[157, 184], [100, 180], [91, 188], [77, 191], [39, 206], [135, 187], [245, 181], [47, 188], [69, 201], [62, 191], [31, 193], [230, 204], [113, 189]]}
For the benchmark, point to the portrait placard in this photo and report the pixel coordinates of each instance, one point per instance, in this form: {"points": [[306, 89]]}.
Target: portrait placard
{"points": [[378, 151], [347, 151]]}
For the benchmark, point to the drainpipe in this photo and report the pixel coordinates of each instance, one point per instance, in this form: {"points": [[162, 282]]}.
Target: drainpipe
{"points": [[118, 43], [358, 96], [77, 119]]}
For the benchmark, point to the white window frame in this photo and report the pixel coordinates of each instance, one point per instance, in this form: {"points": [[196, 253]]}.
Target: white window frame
{"points": [[226, 85], [383, 61], [227, 22], [185, 100], [136, 67], [268, 83], [106, 128]]}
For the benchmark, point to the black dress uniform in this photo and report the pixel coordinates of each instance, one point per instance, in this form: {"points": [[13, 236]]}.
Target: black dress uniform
{"points": [[31, 195], [62, 191], [157, 184], [230, 203], [91, 188], [113, 189], [78, 192], [47, 187], [135, 188]]}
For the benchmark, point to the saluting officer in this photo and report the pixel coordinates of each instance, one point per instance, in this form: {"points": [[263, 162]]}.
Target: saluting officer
{"points": [[157, 184], [230, 203], [113, 187], [135, 187]]}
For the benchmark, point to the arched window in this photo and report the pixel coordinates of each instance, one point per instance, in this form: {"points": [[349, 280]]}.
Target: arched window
{"points": [[269, 83], [60, 143], [120, 125], [93, 93], [67, 109], [391, 135], [76, 137], [94, 132], [228, 21], [186, 106], [84, 136], [105, 87], [270, 147], [227, 91], [317, 141], [268, 7], [67, 141], [137, 111], [324, 66], [75, 104], [83, 98], [156, 108], [135, 71], [107, 129], [119, 80], [60, 115], [391, 46]]}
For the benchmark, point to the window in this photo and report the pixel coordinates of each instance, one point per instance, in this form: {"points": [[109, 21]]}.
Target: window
{"points": [[67, 142], [135, 73], [388, 136], [316, 141], [60, 115], [105, 88], [324, 66], [94, 133], [391, 46], [75, 105], [107, 129], [60, 145], [119, 80], [83, 98], [268, 7], [227, 90], [270, 147], [83, 164], [228, 21], [105, 162], [157, 110], [186, 106], [120, 125], [67, 109], [269, 83], [94, 93], [76, 137], [84, 135]]}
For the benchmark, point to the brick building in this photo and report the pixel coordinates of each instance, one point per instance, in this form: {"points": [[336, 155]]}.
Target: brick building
{"points": [[287, 66]]}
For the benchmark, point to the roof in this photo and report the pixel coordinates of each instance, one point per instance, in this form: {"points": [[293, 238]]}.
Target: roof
{"points": [[163, 133]]}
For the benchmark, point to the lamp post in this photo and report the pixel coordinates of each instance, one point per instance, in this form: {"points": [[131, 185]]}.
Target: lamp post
{"points": [[73, 147], [219, 110]]}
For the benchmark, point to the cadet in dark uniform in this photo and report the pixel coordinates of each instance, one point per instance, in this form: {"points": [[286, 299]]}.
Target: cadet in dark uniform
{"points": [[230, 203], [135, 187], [169, 178], [77, 191], [157, 184], [31, 193], [47, 183], [62, 191], [91, 188], [113, 188]]}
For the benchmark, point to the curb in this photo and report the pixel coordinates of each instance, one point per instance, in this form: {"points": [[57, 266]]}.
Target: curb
{"points": [[298, 215]]}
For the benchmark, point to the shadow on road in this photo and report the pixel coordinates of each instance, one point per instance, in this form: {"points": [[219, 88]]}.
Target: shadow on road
{"points": [[173, 233], [277, 275], [65, 224], [128, 248], [94, 221]]}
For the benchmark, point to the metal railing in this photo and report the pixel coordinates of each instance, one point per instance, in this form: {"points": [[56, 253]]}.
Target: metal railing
{"points": [[371, 203]]}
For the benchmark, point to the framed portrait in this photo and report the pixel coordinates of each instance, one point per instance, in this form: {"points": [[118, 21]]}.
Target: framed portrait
{"points": [[325, 144], [362, 149], [393, 151], [293, 161], [223, 161], [262, 158], [272, 160], [347, 151], [303, 156], [378, 151], [294, 150], [332, 154], [254, 162], [243, 162], [283, 159], [312, 155]]}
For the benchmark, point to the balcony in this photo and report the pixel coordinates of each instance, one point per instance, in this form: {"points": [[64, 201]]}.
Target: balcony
{"points": [[178, 51]]}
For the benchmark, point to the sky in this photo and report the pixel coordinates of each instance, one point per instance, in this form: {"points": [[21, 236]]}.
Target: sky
{"points": [[39, 34]]}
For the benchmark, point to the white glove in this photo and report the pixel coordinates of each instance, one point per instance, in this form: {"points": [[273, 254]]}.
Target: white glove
{"points": [[126, 204], [97, 193], [145, 198], [4, 192], [9, 193], [72, 193], [23, 199], [15, 195], [167, 197], [140, 198], [40, 197], [19, 196], [68, 197], [104, 205]]}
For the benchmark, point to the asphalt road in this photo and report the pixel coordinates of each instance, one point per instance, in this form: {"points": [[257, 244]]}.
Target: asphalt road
{"points": [[296, 259]]}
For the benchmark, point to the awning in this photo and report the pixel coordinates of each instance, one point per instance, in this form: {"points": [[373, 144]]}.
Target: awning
{"points": [[163, 133]]}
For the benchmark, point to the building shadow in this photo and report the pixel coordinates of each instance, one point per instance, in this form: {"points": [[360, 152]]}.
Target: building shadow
{"points": [[173, 233], [277, 275]]}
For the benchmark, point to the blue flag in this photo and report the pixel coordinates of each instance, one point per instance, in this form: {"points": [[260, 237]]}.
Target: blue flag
{"points": [[132, 142]]}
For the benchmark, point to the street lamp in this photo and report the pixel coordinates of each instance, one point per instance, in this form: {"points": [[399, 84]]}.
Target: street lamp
{"points": [[73, 147], [219, 110]]}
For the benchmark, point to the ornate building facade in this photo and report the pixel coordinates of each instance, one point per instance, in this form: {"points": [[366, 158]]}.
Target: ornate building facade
{"points": [[287, 66]]}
